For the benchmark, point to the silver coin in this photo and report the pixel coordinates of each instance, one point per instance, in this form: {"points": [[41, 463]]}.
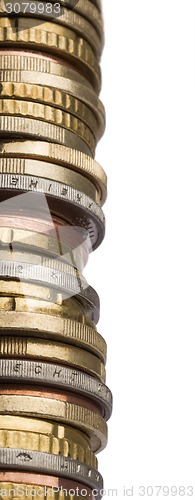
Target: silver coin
{"points": [[59, 376], [63, 200], [51, 188], [67, 284], [50, 464]]}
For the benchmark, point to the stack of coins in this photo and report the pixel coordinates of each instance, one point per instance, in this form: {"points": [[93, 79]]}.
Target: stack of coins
{"points": [[54, 404]]}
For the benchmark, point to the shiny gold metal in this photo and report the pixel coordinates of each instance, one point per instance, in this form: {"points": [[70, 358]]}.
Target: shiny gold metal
{"points": [[14, 61], [19, 289], [47, 444], [50, 325], [36, 110], [54, 404], [45, 350], [97, 4], [45, 428], [51, 393], [69, 309], [23, 127], [51, 97], [59, 156], [57, 39], [88, 10], [86, 95], [89, 422], [71, 20], [57, 173]]}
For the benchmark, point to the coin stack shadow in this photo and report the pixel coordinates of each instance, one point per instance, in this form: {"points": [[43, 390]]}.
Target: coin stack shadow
{"points": [[54, 404]]}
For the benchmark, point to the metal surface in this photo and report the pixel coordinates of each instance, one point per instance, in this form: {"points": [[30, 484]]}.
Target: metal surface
{"points": [[67, 18], [41, 169], [47, 444], [49, 392], [60, 377], [45, 428], [60, 156], [86, 420], [57, 81], [56, 98], [42, 349], [57, 39], [29, 485], [13, 61], [37, 259], [48, 238], [49, 114], [66, 284], [47, 463], [54, 404], [59, 488], [88, 10], [74, 309], [13, 321], [22, 127], [58, 196], [54, 106]]}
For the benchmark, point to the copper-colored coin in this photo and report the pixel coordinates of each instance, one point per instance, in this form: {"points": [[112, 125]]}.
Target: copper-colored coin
{"points": [[53, 226], [49, 393], [30, 220], [29, 478], [47, 63], [46, 235], [61, 412], [51, 37]]}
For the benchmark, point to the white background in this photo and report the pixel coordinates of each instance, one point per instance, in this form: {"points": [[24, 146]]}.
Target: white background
{"points": [[145, 270]]}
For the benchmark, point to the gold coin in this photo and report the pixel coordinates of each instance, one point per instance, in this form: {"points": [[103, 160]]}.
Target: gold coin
{"points": [[88, 421], [59, 155], [22, 313], [19, 289], [69, 309], [55, 305], [64, 42], [13, 61], [88, 10], [46, 428], [71, 87], [97, 4], [51, 97], [47, 350], [20, 126], [38, 111], [47, 444], [49, 246], [68, 18], [46, 170]]}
